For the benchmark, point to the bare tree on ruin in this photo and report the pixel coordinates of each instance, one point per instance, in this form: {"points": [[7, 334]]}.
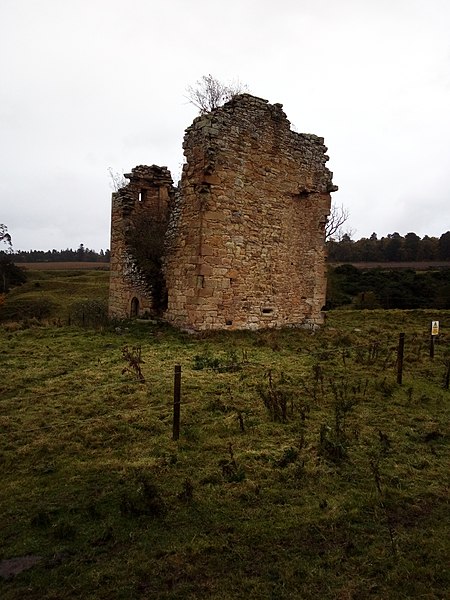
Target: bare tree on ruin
{"points": [[117, 179], [335, 221], [209, 93], [146, 244]]}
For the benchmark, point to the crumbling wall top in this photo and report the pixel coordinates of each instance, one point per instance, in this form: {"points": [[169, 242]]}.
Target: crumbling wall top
{"points": [[154, 175], [247, 119]]}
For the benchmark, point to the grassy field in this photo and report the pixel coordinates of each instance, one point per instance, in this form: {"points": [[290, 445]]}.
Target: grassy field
{"points": [[65, 266], [55, 296], [303, 470]]}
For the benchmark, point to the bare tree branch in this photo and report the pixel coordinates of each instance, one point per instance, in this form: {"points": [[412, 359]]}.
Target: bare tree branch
{"points": [[117, 180], [209, 93], [336, 219]]}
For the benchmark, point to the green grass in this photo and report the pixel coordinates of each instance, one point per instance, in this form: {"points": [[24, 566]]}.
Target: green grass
{"points": [[53, 295], [345, 497]]}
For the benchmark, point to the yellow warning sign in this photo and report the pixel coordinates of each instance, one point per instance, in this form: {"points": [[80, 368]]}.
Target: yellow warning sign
{"points": [[434, 327]]}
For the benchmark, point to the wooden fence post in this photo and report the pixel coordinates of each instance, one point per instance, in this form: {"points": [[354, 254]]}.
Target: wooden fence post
{"points": [[432, 346], [400, 352], [176, 402]]}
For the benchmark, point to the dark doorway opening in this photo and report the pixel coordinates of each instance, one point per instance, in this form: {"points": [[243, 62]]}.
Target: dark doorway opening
{"points": [[134, 310]]}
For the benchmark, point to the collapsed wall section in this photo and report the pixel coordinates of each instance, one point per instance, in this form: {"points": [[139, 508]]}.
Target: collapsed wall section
{"points": [[245, 245], [140, 212]]}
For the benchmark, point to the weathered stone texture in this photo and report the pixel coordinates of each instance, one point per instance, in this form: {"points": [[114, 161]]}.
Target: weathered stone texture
{"points": [[149, 192], [247, 249], [245, 240]]}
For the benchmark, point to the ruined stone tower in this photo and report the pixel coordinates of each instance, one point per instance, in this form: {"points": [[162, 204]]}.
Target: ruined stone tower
{"points": [[244, 235], [145, 200]]}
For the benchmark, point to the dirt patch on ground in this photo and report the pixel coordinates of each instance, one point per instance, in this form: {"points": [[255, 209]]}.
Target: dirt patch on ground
{"points": [[13, 566]]}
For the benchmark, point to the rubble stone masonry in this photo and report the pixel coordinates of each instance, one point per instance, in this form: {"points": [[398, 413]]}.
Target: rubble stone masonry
{"points": [[148, 194], [245, 237]]}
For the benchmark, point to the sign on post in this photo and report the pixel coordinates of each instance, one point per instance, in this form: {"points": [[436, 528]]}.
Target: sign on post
{"points": [[434, 334]]}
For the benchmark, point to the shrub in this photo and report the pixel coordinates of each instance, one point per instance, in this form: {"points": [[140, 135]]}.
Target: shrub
{"points": [[278, 397], [229, 363], [89, 313], [19, 309], [142, 497], [367, 300], [10, 274]]}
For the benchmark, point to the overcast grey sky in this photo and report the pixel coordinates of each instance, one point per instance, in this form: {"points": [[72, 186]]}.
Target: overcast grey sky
{"points": [[92, 84]]}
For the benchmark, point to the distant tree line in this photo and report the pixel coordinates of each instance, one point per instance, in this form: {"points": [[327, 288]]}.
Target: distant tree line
{"points": [[67, 255], [392, 248], [388, 288]]}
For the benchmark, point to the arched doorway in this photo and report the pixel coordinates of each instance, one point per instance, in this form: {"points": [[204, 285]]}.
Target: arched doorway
{"points": [[134, 307]]}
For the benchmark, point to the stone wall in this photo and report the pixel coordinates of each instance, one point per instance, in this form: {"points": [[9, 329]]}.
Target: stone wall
{"points": [[247, 244], [245, 238], [148, 195]]}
